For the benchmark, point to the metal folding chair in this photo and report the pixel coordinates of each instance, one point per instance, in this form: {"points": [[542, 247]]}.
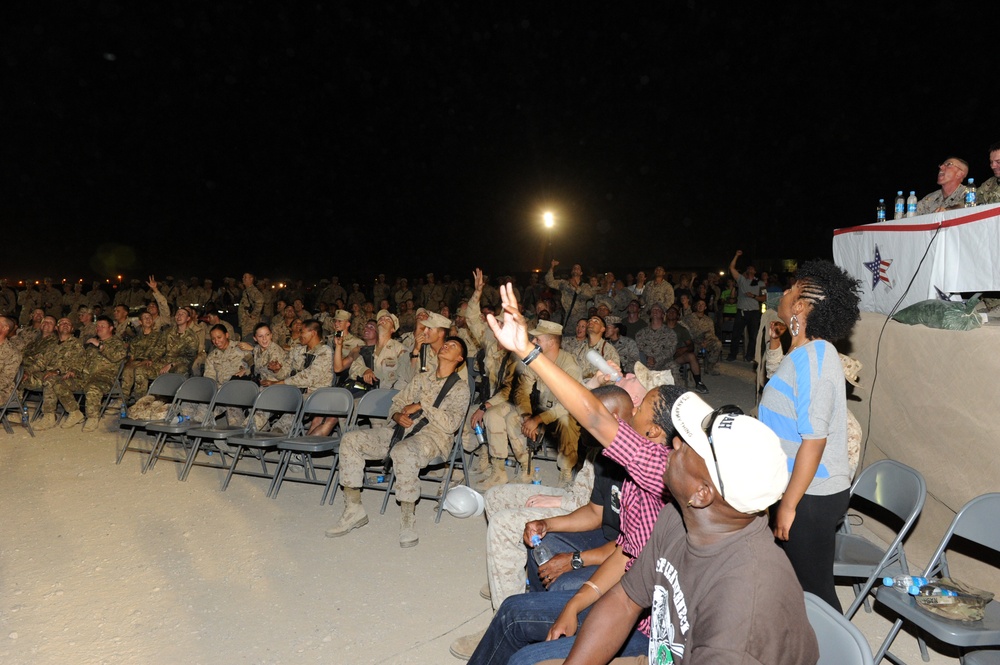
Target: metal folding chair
{"points": [[840, 642], [198, 390], [277, 399], [116, 391], [232, 394], [327, 403], [165, 386], [15, 404], [978, 523], [374, 404], [895, 489]]}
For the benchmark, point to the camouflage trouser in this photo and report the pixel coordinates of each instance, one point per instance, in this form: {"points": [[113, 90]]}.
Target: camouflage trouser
{"points": [[565, 429], [61, 390], [506, 553], [713, 351], [409, 456], [503, 426], [136, 378], [32, 381]]}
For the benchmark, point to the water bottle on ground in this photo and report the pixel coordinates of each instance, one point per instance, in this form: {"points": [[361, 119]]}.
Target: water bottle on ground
{"points": [[541, 552], [970, 194], [904, 582], [24, 416], [880, 211], [911, 204], [536, 477], [900, 207]]}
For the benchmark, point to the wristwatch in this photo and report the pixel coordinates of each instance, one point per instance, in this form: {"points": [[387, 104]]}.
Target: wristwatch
{"points": [[577, 561]]}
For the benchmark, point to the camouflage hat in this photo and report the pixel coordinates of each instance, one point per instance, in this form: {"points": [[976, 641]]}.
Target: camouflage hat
{"points": [[435, 320], [421, 312], [612, 320], [544, 327], [462, 309], [341, 315], [392, 317]]}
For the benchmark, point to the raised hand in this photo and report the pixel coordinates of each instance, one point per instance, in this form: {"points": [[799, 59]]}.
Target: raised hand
{"points": [[512, 334]]}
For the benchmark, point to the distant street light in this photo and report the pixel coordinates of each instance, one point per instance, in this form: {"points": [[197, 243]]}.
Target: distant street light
{"points": [[549, 220]]}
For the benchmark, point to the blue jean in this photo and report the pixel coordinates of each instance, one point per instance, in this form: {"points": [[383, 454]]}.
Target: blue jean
{"points": [[557, 543], [517, 634]]}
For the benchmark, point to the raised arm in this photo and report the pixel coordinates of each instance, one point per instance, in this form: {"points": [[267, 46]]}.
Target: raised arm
{"points": [[512, 334]]}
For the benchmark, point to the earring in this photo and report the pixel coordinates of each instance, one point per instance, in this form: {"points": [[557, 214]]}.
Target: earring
{"points": [[794, 326]]}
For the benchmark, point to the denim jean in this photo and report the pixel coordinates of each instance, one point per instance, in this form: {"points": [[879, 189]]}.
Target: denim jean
{"points": [[517, 634], [558, 543]]}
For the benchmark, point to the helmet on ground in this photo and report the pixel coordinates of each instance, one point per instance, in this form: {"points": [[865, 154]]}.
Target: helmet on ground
{"points": [[463, 501]]}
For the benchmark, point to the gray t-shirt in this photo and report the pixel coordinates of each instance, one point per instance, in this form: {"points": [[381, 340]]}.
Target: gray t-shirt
{"points": [[807, 399], [735, 601]]}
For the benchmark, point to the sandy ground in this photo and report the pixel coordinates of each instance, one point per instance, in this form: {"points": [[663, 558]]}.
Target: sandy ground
{"points": [[103, 564]]}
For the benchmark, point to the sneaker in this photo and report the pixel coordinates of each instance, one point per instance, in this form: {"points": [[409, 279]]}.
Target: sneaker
{"points": [[701, 387], [464, 647]]}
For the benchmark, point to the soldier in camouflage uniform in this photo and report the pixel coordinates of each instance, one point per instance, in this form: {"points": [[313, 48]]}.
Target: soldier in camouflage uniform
{"points": [[27, 334], [251, 306], [37, 356], [595, 341], [702, 329], [145, 355], [989, 191], [30, 300], [659, 290], [182, 344], [657, 341], [8, 299], [314, 368], [93, 376], [573, 292], [413, 407], [951, 174], [10, 358], [628, 350], [270, 361]]}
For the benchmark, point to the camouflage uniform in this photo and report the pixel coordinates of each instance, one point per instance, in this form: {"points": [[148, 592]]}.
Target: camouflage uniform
{"points": [[262, 357], [66, 355], [659, 345], [221, 366], [24, 337], [312, 370], [551, 412], [51, 301], [703, 333], [567, 291], [93, 376], [412, 453], [603, 347], [662, 293], [499, 376], [989, 192], [10, 361], [251, 306], [507, 515], [401, 296], [937, 199], [137, 375], [392, 366], [181, 350], [30, 300], [8, 301], [628, 353], [37, 360]]}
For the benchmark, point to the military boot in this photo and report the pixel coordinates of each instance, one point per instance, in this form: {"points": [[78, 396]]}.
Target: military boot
{"points": [[524, 471], [93, 422], [497, 476], [73, 419], [354, 515], [47, 421], [481, 467], [407, 527]]}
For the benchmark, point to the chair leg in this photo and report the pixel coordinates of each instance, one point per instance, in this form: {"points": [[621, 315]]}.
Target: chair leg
{"points": [[154, 452], [279, 474], [232, 468], [883, 651], [388, 492], [128, 440], [189, 460], [331, 483]]}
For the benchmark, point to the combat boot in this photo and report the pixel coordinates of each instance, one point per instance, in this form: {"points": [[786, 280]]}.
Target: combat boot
{"points": [[523, 474], [73, 419], [497, 476], [93, 422], [481, 467], [354, 515], [463, 647], [407, 527], [47, 421]]}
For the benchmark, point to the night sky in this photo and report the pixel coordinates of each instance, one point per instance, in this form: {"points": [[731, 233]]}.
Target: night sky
{"points": [[305, 140]]}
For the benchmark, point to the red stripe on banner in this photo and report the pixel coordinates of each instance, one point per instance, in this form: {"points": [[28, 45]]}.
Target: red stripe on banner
{"points": [[958, 221]]}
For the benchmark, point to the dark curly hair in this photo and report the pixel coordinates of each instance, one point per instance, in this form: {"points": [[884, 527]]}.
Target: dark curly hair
{"points": [[664, 403], [834, 298]]}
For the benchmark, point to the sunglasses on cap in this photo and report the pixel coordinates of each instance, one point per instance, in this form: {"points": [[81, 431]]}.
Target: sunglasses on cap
{"points": [[727, 410]]}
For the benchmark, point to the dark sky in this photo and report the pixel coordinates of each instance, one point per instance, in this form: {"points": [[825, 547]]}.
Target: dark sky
{"points": [[299, 139]]}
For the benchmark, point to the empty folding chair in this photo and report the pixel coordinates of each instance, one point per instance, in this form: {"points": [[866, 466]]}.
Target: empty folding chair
{"points": [[166, 387], [231, 395], [275, 400], [327, 403], [840, 642], [895, 489], [977, 523]]}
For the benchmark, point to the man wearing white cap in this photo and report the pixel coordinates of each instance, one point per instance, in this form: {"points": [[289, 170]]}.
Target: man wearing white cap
{"points": [[718, 587]]}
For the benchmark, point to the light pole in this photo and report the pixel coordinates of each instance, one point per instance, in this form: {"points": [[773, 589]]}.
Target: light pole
{"points": [[549, 220]]}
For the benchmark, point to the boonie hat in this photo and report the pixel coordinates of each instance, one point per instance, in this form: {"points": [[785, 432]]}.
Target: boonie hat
{"points": [[750, 461], [544, 327], [342, 315], [435, 320], [392, 317]]}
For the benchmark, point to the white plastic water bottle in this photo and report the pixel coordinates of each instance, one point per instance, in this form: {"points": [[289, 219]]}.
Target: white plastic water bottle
{"points": [[24, 415], [598, 361], [904, 582], [970, 194], [541, 552], [536, 477], [880, 211], [911, 204], [900, 208], [931, 589]]}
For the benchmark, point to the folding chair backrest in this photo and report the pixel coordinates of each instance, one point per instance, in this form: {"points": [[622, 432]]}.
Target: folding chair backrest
{"points": [[978, 522], [196, 390], [166, 385], [840, 642], [278, 399], [329, 402], [236, 393], [373, 404], [894, 487]]}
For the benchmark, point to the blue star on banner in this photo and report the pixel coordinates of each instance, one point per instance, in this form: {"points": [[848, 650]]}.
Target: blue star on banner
{"points": [[878, 269]]}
